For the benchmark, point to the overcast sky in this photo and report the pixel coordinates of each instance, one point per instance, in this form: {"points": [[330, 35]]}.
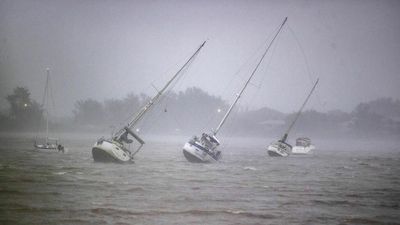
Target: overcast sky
{"points": [[106, 49]]}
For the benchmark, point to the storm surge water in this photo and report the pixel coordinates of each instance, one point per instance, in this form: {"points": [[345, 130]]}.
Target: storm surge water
{"points": [[357, 184]]}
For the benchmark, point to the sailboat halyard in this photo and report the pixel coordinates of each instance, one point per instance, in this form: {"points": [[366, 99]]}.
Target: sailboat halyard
{"points": [[115, 149], [49, 143], [281, 147], [204, 149]]}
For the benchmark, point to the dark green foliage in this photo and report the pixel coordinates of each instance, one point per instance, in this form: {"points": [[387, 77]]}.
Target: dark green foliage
{"points": [[193, 111], [93, 113], [24, 112], [88, 112], [190, 110], [378, 116]]}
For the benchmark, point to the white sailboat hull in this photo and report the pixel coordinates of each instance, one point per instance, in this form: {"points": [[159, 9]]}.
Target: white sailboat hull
{"points": [[279, 149], [196, 153], [45, 146], [109, 151], [301, 150]]}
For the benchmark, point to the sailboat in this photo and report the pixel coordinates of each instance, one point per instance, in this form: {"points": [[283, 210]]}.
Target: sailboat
{"points": [[281, 147], [204, 149], [303, 146], [116, 149], [49, 143]]}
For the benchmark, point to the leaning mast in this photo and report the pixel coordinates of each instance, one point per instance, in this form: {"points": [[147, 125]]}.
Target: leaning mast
{"points": [[298, 113], [248, 80], [157, 96]]}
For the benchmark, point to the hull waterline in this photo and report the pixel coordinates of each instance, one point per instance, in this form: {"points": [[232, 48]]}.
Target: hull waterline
{"points": [[192, 158], [275, 154], [106, 151], [195, 153], [279, 149]]}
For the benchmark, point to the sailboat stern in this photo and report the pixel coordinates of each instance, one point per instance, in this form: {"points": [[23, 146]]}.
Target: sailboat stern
{"points": [[279, 149], [109, 151]]}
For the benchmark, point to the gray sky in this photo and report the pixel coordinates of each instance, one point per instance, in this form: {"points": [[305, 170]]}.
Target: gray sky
{"points": [[106, 49]]}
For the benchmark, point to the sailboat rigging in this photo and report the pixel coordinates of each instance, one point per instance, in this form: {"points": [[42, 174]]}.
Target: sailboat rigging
{"points": [[281, 147], [115, 149], [204, 149], [49, 143]]}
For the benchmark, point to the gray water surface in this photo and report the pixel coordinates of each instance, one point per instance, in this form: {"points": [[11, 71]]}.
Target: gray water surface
{"points": [[335, 185]]}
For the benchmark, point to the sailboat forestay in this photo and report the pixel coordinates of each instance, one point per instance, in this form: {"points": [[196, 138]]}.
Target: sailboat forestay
{"points": [[204, 149], [49, 143], [281, 148], [115, 149]]}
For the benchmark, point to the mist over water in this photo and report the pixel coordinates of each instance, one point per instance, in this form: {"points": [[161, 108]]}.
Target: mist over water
{"points": [[352, 182], [107, 59], [351, 46]]}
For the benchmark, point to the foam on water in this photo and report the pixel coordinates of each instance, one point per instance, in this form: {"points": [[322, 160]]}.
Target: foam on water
{"points": [[249, 168]]}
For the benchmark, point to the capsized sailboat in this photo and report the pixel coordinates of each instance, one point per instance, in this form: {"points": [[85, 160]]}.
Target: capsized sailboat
{"points": [[281, 147], [116, 149], [47, 143], [204, 149]]}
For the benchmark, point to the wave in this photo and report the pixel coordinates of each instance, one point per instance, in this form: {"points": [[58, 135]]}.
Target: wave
{"points": [[23, 192], [60, 173], [363, 221], [135, 189], [336, 202], [250, 168], [113, 212], [19, 207]]}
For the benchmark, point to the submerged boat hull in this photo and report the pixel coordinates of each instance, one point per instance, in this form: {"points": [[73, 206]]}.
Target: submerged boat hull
{"points": [[108, 151], [196, 153], [279, 149]]}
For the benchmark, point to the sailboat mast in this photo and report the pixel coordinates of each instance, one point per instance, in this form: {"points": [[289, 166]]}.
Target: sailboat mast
{"points": [[47, 104], [155, 98], [248, 80], [299, 112]]}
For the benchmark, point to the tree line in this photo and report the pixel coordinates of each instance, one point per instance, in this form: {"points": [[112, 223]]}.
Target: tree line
{"points": [[24, 113], [194, 110], [186, 110]]}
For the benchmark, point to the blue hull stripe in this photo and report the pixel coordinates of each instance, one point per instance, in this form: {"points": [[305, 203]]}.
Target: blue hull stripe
{"points": [[205, 150]]}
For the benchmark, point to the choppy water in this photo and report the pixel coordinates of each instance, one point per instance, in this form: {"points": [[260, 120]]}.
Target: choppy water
{"points": [[335, 185]]}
